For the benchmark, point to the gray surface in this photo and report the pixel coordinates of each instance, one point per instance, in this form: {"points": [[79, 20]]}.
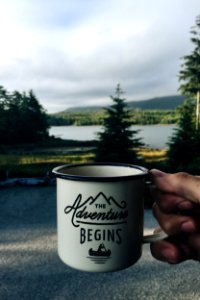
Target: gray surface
{"points": [[30, 268]]}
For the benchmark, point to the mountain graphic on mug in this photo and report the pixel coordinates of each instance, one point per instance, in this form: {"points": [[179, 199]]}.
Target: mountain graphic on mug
{"points": [[101, 251], [102, 198], [98, 210]]}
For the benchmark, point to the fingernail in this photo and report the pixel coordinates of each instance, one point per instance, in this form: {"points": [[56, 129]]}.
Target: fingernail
{"points": [[168, 256], [188, 227], [157, 173]]}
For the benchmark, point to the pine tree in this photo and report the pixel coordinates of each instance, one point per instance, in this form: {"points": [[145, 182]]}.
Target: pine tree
{"points": [[117, 140], [34, 118], [22, 118], [4, 136], [182, 145], [190, 72]]}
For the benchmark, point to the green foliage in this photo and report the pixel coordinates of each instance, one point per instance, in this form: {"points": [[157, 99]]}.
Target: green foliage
{"points": [[152, 117], [184, 145], [117, 141], [77, 119], [190, 72], [22, 118], [138, 116]]}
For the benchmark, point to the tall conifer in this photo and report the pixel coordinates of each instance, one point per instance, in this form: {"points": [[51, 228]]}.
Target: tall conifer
{"points": [[117, 141]]}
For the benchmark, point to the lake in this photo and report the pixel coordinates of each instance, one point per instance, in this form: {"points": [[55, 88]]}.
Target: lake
{"points": [[154, 136]]}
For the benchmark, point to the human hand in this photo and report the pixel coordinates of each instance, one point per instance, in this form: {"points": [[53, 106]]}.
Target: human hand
{"points": [[177, 209]]}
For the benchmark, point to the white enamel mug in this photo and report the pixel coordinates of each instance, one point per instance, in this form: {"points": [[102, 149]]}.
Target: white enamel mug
{"points": [[100, 213]]}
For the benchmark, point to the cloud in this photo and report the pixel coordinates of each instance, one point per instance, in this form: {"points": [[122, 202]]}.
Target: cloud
{"points": [[75, 52]]}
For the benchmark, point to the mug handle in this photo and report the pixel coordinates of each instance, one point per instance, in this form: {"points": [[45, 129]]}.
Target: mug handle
{"points": [[155, 237]]}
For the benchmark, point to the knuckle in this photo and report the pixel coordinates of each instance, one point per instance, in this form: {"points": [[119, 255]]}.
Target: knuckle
{"points": [[182, 175]]}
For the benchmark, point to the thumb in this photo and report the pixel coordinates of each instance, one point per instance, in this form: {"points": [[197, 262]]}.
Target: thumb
{"points": [[181, 184]]}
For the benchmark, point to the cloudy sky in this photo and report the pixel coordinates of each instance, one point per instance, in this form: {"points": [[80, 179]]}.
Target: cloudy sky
{"points": [[74, 52]]}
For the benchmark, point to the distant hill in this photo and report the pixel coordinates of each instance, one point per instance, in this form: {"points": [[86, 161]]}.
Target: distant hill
{"points": [[84, 109], [167, 103]]}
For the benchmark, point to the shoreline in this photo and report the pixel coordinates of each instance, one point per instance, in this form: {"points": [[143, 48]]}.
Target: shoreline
{"points": [[19, 163], [150, 156]]}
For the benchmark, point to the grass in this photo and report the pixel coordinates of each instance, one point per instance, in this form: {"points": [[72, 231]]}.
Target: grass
{"points": [[35, 166], [7, 159], [153, 155], [39, 161]]}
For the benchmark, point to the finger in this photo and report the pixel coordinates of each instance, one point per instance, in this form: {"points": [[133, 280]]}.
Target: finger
{"points": [[181, 184], [174, 224], [171, 253], [168, 252], [170, 203]]}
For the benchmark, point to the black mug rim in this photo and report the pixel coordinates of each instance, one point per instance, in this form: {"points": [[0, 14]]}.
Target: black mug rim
{"points": [[58, 174]]}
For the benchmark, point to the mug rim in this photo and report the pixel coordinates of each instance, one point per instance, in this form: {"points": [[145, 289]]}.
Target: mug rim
{"points": [[58, 174]]}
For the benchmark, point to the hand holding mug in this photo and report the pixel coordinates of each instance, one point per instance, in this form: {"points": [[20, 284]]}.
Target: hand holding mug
{"points": [[177, 209]]}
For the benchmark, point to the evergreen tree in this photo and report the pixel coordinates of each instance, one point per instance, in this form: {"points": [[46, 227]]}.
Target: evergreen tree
{"points": [[190, 72], [22, 118], [183, 146], [117, 140], [33, 118], [13, 128], [3, 115]]}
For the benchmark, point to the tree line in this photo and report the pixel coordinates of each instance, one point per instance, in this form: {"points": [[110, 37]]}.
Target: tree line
{"points": [[22, 118], [137, 116]]}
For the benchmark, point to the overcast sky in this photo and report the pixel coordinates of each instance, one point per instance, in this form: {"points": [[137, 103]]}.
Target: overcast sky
{"points": [[74, 52]]}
